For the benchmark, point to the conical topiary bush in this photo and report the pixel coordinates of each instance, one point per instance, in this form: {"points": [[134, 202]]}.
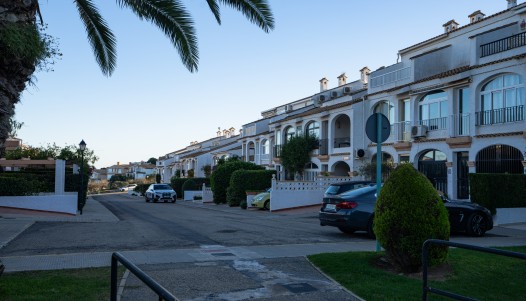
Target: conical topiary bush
{"points": [[408, 212]]}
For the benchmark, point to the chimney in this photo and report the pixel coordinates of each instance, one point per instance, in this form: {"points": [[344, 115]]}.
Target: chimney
{"points": [[342, 79], [218, 132], [512, 3], [118, 163], [450, 26], [324, 82], [476, 16], [364, 74]]}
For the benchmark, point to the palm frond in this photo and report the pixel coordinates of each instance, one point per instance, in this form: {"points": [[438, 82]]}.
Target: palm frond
{"points": [[173, 19], [100, 36], [214, 7], [256, 11]]}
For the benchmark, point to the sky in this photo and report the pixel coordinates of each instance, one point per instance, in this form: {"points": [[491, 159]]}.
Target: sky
{"points": [[153, 105]]}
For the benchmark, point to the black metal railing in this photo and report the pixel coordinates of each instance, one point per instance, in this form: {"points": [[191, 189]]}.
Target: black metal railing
{"points": [[502, 45], [504, 115], [277, 150], [342, 142], [434, 123], [152, 284], [425, 260]]}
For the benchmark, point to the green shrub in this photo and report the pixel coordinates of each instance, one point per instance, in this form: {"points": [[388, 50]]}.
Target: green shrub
{"points": [[177, 184], [243, 204], [189, 184], [220, 178], [18, 186], [498, 190], [157, 178], [408, 212], [141, 188], [190, 173], [245, 180]]}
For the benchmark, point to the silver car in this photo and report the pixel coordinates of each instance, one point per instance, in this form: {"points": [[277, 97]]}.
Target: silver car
{"points": [[160, 192]]}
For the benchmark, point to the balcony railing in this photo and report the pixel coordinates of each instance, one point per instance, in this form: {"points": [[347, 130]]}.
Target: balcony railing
{"points": [[323, 147], [342, 142], [390, 77], [504, 115], [401, 131], [502, 45], [459, 125], [434, 123]]}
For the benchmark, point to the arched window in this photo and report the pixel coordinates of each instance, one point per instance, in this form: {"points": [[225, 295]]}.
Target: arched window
{"points": [[433, 110], [313, 129], [265, 147], [502, 100], [387, 108], [289, 133]]}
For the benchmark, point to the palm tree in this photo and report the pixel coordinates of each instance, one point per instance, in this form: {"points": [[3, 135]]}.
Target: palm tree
{"points": [[22, 47]]}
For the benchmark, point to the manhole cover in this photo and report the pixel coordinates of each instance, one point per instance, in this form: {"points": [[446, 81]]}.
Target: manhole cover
{"points": [[223, 254], [297, 288]]}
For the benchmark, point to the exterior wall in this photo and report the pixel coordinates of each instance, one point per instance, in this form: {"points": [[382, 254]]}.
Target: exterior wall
{"points": [[64, 203]]}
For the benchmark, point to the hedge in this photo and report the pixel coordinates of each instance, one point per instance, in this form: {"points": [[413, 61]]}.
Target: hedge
{"points": [[243, 180], [498, 190], [177, 184], [220, 178], [141, 188], [36, 181]]}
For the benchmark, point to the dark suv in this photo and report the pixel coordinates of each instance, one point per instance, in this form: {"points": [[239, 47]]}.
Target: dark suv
{"points": [[338, 188]]}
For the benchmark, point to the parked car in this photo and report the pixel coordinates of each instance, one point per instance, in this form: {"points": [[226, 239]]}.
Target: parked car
{"points": [[129, 187], [354, 211], [160, 192], [261, 200], [338, 188]]}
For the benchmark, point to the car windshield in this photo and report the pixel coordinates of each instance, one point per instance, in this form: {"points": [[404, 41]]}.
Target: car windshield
{"points": [[333, 189], [162, 187]]}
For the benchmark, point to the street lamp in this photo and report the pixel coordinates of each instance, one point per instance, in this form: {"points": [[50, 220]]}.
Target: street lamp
{"points": [[82, 198]]}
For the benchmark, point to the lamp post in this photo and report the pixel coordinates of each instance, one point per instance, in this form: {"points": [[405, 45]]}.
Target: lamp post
{"points": [[82, 199]]}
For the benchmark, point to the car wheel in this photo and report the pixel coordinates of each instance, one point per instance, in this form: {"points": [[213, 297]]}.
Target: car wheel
{"points": [[346, 230], [266, 206], [370, 230], [477, 224]]}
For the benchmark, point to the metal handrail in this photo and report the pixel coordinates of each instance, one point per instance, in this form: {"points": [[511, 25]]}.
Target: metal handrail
{"points": [[116, 257], [425, 253]]}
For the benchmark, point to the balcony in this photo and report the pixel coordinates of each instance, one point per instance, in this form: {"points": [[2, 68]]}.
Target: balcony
{"points": [[400, 131], [502, 45], [390, 77], [504, 115], [459, 125], [434, 123], [342, 142], [323, 147]]}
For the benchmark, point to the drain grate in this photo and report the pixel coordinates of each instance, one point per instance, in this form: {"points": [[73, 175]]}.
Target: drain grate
{"points": [[223, 254], [298, 288]]}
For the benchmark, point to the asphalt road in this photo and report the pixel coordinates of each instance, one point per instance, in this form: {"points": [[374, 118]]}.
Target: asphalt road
{"points": [[157, 226]]}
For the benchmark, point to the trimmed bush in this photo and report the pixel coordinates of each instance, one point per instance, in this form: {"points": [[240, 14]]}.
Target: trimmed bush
{"points": [[244, 180], [189, 184], [141, 188], [13, 186], [498, 190], [408, 212], [177, 184], [220, 178]]}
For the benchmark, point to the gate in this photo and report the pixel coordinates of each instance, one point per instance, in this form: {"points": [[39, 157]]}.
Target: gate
{"points": [[433, 165], [462, 175]]}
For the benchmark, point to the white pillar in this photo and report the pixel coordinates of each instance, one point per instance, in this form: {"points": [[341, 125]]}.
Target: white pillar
{"points": [[60, 176]]}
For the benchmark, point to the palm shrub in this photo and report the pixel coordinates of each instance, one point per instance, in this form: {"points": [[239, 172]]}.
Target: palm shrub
{"points": [[220, 178], [408, 212]]}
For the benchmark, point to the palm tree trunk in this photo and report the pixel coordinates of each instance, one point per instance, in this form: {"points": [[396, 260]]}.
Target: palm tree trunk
{"points": [[14, 71]]}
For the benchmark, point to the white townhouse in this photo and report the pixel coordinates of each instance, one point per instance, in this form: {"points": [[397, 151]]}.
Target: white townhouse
{"points": [[140, 170], [456, 101], [199, 154]]}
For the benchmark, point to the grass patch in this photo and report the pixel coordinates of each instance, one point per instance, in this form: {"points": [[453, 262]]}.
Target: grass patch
{"points": [[474, 274], [81, 284]]}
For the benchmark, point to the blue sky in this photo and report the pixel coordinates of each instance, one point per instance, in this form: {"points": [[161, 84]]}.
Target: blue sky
{"points": [[152, 105]]}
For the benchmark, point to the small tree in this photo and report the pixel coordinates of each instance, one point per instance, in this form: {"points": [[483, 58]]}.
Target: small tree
{"points": [[190, 173], [296, 153], [207, 169], [177, 173], [408, 212], [152, 160], [157, 178], [368, 170]]}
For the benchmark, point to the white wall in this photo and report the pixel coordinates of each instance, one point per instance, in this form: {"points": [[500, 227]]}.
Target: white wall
{"points": [[64, 203]]}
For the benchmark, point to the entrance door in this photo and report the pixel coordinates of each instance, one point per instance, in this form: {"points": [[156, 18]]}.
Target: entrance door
{"points": [[433, 165], [462, 175]]}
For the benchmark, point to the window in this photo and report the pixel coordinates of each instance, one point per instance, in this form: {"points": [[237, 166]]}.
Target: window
{"points": [[313, 129], [289, 133], [386, 108], [265, 147], [406, 107], [433, 110], [502, 100]]}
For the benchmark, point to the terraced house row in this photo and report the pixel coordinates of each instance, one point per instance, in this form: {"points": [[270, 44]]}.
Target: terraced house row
{"points": [[455, 103]]}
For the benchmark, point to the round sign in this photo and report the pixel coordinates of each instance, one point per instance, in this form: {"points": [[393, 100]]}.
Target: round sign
{"points": [[371, 127]]}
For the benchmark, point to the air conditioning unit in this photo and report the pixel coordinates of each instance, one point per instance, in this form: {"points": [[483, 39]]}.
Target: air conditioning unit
{"points": [[322, 97], [346, 90], [418, 131], [316, 102], [334, 94], [360, 153], [288, 108]]}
